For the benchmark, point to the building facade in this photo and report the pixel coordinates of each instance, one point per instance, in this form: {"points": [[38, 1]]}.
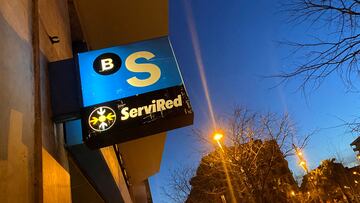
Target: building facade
{"points": [[356, 147], [39, 160]]}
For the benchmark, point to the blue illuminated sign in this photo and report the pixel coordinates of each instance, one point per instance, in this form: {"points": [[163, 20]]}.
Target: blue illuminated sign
{"points": [[123, 71]]}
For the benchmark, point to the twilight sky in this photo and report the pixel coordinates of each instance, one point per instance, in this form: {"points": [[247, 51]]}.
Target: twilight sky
{"points": [[236, 43]]}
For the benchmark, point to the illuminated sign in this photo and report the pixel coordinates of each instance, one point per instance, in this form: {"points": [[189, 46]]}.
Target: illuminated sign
{"points": [[155, 106], [131, 91], [123, 71]]}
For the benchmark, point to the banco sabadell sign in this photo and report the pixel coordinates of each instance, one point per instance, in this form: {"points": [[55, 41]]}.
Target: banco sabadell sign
{"points": [[131, 91]]}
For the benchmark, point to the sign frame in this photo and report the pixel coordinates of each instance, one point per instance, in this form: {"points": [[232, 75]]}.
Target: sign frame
{"points": [[152, 123]]}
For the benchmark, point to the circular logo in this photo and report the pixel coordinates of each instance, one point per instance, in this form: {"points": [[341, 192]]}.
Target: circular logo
{"points": [[102, 118], [107, 63]]}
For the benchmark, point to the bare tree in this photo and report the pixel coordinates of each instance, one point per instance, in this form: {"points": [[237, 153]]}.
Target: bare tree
{"points": [[252, 161], [340, 53], [178, 187]]}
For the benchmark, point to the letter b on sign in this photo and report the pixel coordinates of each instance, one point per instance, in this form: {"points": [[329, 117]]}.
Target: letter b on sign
{"points": [[107, 63]]}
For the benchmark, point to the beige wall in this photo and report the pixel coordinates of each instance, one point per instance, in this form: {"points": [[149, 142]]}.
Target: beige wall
{"points": [[17, 102], [17, 96], [56, 179], [109, 155]]}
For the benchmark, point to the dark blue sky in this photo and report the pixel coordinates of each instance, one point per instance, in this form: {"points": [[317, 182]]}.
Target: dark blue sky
{"points": [[237, 45]]}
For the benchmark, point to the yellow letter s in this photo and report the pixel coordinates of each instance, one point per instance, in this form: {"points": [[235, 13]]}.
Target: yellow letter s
{"points": [[132, 66]]}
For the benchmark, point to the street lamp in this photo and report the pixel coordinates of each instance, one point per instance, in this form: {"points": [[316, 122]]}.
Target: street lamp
{"points": [[302, 164], [302, 161], [217, 137]]}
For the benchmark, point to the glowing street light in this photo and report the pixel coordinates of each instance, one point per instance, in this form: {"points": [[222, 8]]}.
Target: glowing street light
{"points": [[302, 164], [302, 161], [217, 137]]}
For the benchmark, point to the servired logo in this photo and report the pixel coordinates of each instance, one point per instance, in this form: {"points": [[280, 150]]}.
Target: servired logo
{"points": [[102, 118]]}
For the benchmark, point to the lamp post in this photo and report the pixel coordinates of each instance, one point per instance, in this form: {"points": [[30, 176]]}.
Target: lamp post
{"points": [[303, 165], [302, 161], [217, 136]]}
